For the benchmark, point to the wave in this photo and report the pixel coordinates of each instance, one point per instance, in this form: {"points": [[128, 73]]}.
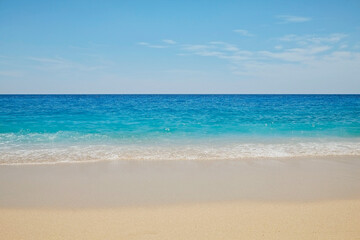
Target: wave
{"points": [[56, 153]]}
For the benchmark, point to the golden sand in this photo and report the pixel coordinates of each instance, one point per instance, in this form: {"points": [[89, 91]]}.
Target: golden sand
{"points": [[230, 220], [292, 199]]}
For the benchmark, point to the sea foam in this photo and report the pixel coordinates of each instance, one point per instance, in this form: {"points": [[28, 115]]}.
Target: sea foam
{"points": [[48, 154]]}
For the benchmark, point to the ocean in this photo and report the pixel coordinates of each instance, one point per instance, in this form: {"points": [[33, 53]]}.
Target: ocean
{"points": [[46, 129]]}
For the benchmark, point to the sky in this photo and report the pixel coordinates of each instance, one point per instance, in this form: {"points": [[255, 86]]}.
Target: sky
{"points": [[126, 47]]}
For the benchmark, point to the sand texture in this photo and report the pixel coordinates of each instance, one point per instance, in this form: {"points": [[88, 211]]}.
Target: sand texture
{"points": [[283, 199], [233, 220]]}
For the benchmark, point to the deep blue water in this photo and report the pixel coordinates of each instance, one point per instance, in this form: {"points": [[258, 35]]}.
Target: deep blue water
{"points": [[122, 116], [124, 119]]}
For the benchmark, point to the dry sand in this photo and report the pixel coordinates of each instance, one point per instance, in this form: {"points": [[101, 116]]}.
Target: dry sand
{"points": [[296, 199], [233, 220]]}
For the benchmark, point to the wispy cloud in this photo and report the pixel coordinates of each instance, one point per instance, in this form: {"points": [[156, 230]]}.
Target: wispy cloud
{"points": [[196, 47], [146, 44], [244, 32], [58, 63], [306, 55], [238, 56], [169, 41], [313, 39], [222, 50], [300, 55], [293, 19], [48, 60], [342, 46], [226, 46]]}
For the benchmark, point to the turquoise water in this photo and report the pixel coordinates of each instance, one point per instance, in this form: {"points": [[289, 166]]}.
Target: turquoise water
{"points": [[67, 128]]}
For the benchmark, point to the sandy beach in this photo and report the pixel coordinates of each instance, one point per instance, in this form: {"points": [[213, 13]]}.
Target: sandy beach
{"points": [[228, 220], [180, 120], [258, 199]]}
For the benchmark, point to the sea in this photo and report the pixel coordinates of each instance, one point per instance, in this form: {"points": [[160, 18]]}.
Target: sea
{"points": [[50, 129]]}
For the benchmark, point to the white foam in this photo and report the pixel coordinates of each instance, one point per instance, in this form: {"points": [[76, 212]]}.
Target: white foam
{"points": [[48, 154]]}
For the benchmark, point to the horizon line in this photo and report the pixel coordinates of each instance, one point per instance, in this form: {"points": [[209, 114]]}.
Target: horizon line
{"points": [[39, 94]]}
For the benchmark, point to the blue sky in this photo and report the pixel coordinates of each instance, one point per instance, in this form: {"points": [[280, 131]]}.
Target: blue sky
{"points": [[179, 46]]}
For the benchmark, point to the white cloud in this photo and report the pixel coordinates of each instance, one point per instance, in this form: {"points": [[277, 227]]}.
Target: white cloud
{"points": [[169, 41], [235, 55], [47, 60], [333, 38], [157, 46], [293, 19], [303, 51], [52, 63], [207, 50], [151, 45], [196, 47], [243, 32], [296, 58], [336, 72], [61, 64], [296, 54], [226, 46], [342, 46], [313, 39]]}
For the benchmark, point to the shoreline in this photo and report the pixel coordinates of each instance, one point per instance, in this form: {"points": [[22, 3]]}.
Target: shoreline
{"points": [[243, 159], [212, 149]]}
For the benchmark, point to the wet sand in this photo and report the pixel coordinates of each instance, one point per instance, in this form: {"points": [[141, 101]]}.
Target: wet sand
{"points": [[255, 199]]}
